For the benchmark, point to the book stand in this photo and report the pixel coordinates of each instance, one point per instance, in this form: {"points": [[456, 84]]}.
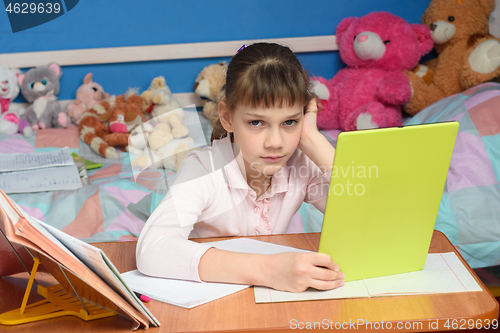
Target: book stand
{"points": [[58, 302]]}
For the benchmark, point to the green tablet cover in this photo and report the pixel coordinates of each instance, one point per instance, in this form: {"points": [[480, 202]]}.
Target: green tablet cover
{"points": [[384, 196]]}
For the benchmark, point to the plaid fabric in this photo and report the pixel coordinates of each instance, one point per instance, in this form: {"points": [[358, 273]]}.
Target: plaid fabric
{"points": [[469, 214]]}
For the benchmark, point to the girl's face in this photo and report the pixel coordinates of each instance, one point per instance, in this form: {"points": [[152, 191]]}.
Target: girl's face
{"points": [[267, 137]]}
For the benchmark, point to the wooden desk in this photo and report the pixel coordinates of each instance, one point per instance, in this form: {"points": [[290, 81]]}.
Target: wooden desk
{"points": [[238, 312]]}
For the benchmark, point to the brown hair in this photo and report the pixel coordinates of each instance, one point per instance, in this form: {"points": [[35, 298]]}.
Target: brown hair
{"points": [[264, 74]]}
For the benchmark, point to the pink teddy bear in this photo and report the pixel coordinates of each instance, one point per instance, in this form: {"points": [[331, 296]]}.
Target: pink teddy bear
{"points": [[377, 48], [87, 95]]}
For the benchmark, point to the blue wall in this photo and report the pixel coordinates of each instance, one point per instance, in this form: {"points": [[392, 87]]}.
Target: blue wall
{"points": [[105, 23]]}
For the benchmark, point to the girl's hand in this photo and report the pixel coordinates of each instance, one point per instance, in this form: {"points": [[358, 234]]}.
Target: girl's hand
{"points": [[297, 271], [312, 142], [309, 128]]}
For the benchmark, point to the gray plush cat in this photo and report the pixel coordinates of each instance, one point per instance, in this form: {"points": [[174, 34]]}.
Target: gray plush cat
{"points": [[39, 86]]}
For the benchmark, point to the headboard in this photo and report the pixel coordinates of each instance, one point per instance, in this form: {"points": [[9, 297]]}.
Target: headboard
{"points": [[159, 52]]}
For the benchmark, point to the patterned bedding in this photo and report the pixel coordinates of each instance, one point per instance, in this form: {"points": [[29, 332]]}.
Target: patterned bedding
{"points": [[469, 214]]}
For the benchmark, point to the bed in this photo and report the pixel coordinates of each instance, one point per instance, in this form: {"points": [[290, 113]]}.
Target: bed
{"points": [[114, 207]]}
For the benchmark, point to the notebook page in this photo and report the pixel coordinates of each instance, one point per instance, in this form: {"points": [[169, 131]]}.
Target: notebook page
{"points": [[189, 294], [186, 294], [352, 289], [30, 161], [442, 273], [37, 180]]}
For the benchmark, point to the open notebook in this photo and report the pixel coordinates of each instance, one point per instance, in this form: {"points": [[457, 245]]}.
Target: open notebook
{"points": [[443, 273]]}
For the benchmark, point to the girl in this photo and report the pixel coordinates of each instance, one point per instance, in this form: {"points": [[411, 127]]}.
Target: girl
{"points": [[251, 181]]}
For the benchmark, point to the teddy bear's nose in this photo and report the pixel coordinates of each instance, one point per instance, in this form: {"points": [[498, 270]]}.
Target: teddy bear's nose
{"points": [[362, 38], [433, 26], [195, 86]]}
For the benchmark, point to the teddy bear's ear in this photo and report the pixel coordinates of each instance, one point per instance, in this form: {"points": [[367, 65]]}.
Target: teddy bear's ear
{"points": [[424, 37], [159, 82], [16, 71], [20, 79], [342, 27], [487, 6], [106, 116]]}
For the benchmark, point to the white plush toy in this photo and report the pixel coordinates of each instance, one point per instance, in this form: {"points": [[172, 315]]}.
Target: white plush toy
{"points": [[159, 101], [10, 112], [155, 147]]}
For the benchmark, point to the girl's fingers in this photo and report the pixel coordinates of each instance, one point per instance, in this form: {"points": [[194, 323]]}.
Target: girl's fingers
{"points": [[324, 274], [323, 259], [326, 285], [312, 106]]}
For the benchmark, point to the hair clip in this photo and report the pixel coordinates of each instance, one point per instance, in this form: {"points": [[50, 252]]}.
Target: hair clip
{"points": [[241, 48]]}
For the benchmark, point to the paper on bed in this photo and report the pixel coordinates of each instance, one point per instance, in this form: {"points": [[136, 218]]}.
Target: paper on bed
{"points": [[50, 179], [442, 273], [189, 294], [36, 172], [30, 161]]}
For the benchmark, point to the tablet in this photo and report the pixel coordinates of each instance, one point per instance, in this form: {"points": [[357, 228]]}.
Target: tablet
{"points": [[384, 196]]}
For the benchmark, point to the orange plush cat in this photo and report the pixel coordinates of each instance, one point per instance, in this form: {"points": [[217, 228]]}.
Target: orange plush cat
{"points": [[108, 124]]}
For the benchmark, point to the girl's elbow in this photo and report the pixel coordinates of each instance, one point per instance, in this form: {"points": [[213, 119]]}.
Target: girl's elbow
{"points": [[142, 258]]}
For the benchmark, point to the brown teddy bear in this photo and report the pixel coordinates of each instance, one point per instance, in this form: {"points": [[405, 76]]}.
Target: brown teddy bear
{"points": [[209, 86], [467, 54]]}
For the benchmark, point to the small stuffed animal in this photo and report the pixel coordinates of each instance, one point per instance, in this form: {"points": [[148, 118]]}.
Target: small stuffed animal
{"points": [[377, 48], [155, 147], [108, 124], [39, 86], [87, 95], [10, 112], [159, 101], [467, 54], [209, 86]]}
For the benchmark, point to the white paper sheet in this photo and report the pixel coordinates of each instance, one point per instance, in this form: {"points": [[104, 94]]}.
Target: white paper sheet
{"points": [[36, 172], [186, 294], [31, 161], [442, 273], [189, 294], [353, 289], [48, 179]]}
